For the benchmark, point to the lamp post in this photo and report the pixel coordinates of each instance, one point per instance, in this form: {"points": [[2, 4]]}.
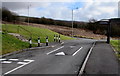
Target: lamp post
{"points": [[72, 20], [28, 13], [28, 18]]}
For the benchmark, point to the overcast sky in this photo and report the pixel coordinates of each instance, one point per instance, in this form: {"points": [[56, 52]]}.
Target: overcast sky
{"points": [[62, 9]]}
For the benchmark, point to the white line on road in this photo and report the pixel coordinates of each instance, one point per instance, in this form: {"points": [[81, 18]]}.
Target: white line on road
{"points": [[54, 50], [6, 62], [19, 67], [14, 59], [21, 63], [77, 51], [28, 60], [2, 59], [86, 59]]}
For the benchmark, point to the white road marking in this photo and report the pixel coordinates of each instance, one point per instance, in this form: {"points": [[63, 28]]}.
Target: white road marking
{"points": [[84, 64], [62, 43], [14, 59], [55, 50], [6, 62], [77, 51], [72, 46], [21, 63], [19, 67], [2, 59], [28, 60]]}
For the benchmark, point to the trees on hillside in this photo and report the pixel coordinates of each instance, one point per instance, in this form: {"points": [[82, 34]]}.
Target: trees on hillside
{"points": [[8, 15]]}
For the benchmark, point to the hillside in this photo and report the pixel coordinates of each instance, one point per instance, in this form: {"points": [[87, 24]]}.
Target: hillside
{"points": [[84, 33]]}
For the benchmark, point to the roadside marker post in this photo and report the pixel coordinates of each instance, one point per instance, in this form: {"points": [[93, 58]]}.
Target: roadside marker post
{"points": [[30, 40], [47, 41], [59, 38], [38, 41], [54, 37]]}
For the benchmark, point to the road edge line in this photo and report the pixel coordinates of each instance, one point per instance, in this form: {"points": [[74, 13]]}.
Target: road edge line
{"points": [[86, 59]]}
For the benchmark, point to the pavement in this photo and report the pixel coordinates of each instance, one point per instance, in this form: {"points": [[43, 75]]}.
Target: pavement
{"points": [[66, 60], [102, 61]]}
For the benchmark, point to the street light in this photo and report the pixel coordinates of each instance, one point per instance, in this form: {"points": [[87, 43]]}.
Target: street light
{"points": [[28, 12], [72, 20], [28, 17]]}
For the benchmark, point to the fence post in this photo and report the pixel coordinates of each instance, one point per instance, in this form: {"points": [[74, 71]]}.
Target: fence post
{"points": [[30, 41], [38, 41], [47, 41]]}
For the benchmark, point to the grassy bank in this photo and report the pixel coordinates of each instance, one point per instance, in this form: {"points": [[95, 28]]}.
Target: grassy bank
{"points": [[116, 45], [11, 43], [35, 32]]}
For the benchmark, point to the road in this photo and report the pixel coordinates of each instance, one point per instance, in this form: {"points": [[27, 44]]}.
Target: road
{"points": [[45, 61]]}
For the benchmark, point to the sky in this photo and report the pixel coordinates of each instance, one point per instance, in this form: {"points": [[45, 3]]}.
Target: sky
{"points": [[83, 10]]}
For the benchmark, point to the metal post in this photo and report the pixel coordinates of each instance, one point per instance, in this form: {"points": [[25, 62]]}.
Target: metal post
{"points": [[38, 41], [47, 41], [72, 22], [30, 40], [108, 32]]}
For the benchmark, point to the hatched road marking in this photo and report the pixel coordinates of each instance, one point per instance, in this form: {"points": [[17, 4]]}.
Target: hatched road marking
{"points": [[14, 59], [77, 51], [55, 50], [6, 62], [29, 61]]}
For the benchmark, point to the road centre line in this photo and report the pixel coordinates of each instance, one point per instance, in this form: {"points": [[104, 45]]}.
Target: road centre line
{"points": [[55, 50], [18, 67], [77, 51]]}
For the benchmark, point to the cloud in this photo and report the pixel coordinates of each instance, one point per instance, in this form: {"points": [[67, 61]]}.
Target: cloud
{"points": [[63, 11]]}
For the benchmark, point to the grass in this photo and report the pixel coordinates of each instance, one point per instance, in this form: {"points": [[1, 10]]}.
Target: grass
{"points": [[36, 32], [116, 45], [11, 43]]}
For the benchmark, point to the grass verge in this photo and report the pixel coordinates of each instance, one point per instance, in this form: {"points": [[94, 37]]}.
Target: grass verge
{"points": [[11, 43], [116, 45]]}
